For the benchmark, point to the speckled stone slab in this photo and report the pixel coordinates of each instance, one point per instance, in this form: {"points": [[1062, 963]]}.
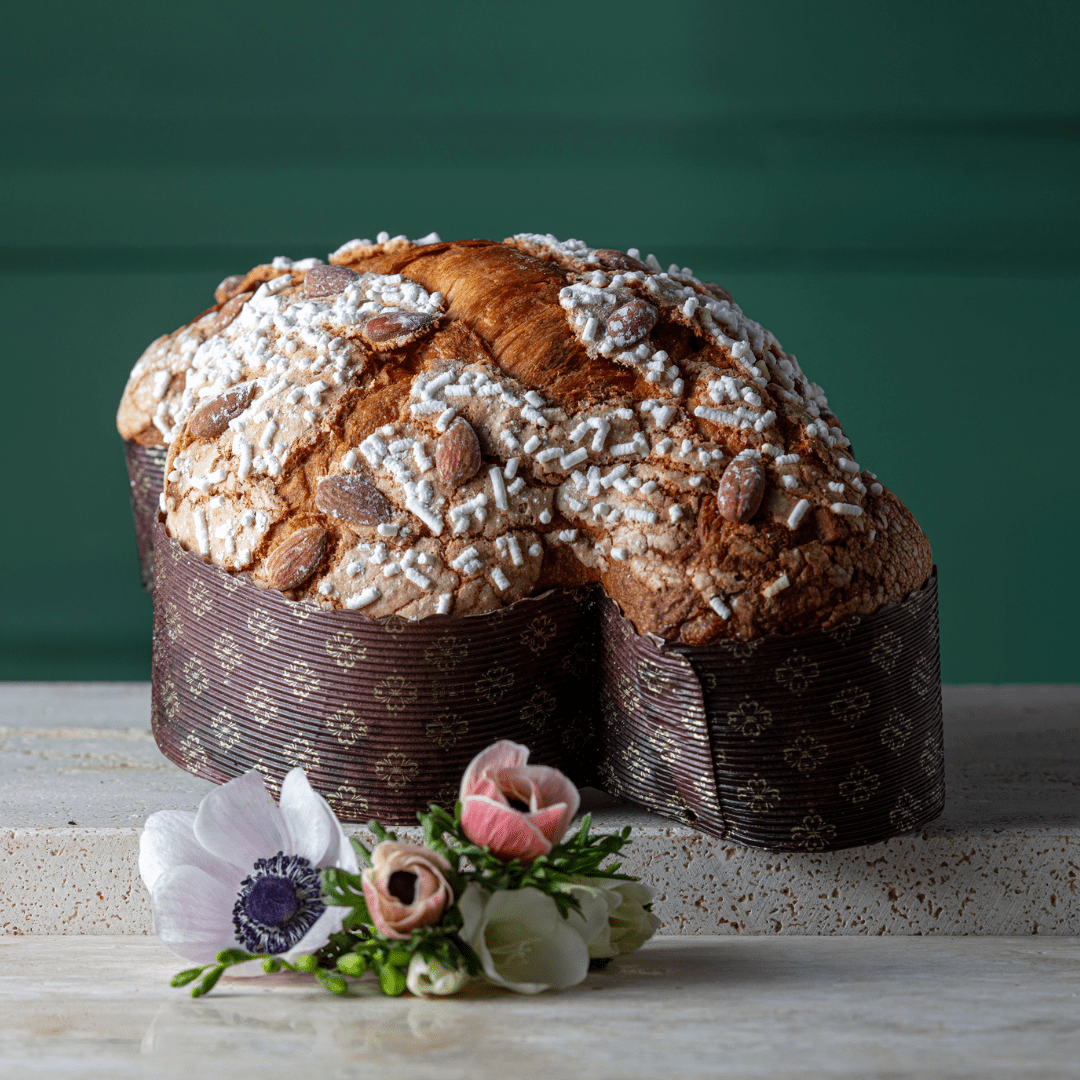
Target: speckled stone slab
{"points": [[79, 773], [768, 1007]]}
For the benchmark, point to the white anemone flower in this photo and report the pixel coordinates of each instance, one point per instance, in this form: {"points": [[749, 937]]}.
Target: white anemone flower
{"points": [[243, 872], [522, 940]]}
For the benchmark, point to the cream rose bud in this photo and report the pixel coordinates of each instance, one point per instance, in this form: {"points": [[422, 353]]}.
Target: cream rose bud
{"points": [[405, 888], [629, 925], [432, 978]]}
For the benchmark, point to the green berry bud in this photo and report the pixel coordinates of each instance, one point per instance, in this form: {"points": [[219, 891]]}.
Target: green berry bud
{"points": [[392, 980], [334, 983], [307, 963], [351, 964]]}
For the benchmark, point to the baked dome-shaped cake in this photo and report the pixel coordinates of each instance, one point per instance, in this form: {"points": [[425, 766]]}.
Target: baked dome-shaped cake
{"points": [[448, 427]]}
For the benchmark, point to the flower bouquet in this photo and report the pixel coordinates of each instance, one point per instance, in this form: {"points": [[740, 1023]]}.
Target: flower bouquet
{"points": [[495, 890]]}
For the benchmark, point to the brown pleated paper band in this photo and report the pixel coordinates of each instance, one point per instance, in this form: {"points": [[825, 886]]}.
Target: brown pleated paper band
{"points": [[384, 715], [146, 479], [813, 741]]}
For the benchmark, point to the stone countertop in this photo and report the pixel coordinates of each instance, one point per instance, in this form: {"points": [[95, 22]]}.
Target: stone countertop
{"points": [[79, 773], [771, 1007]]}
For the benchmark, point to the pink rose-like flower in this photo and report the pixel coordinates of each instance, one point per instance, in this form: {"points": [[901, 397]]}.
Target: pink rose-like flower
{"points": [[516, 810], [404, 888]]}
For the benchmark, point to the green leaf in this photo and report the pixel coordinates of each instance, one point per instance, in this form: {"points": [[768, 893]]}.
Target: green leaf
{"points": [[381, 834], [362, 852], [185, 977], [398, 956], [209, 982]]}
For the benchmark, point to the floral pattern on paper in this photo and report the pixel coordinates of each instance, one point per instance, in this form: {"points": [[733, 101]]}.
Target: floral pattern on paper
{"points": [[932, 756], [261, 704], [924, 675], [346, 727], [395, 692], [896, 731], [170, 700], [262, 628], [902, 816], [226, 731], [228, 652], [299, 753], [844, 632], [759, 795], [198, 596], [539, 709], [860, 784], [797, 672], [805, 753], [750, 718], [353, 806], [174, 623], [539, 634], [850, 706], [193, 754], [494, 683], [738, 650], [445, 653], [396, 771], [653, 677], [299, 677], [346, 649], [445, 729], [577, 661], [195, 677], [814, 834], [887, 649]]}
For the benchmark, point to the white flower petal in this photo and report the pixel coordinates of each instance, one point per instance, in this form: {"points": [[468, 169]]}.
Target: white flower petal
{"points": [[240, 822], [329, 922], [169, 840], [629, 924], [314, 831], [193, 913], [597, 904], [521, 939]]}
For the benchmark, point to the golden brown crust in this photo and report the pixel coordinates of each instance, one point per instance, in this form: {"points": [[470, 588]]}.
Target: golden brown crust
{"points": [[684, 383]]}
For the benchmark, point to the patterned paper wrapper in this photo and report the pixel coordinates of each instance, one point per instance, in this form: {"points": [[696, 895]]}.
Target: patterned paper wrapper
{"points": [[812, 741], [384, 715], [146, 479]]}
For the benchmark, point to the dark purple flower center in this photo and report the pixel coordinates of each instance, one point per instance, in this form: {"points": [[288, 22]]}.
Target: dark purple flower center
{"points": [[278, 904], [401, 885], [272, 901]]}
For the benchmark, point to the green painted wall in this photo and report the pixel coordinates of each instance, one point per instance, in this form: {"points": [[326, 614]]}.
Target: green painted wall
{"points": [[892, 189]]}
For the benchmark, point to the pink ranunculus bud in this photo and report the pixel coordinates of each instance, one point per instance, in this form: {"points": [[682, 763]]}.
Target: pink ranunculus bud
{"points": [[405, 888], [516, 810]]}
